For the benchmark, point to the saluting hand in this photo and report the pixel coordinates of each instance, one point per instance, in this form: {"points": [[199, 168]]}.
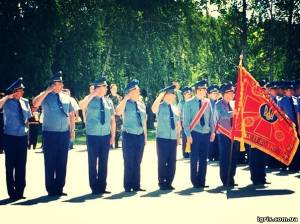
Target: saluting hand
{"points": [[10, 96], [49, 89], [161, 95]]}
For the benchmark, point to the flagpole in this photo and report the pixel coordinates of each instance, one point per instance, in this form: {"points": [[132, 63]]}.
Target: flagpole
{"points": [[232, 137]]}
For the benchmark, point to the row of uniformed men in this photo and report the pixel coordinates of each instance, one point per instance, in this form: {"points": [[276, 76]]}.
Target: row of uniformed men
{"points": [[286, 94], [58, 128]]}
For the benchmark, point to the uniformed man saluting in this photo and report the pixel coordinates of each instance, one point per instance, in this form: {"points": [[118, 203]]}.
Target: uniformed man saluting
{"points": [[100, 131], [201, 134], [58, 128], [134, 134], [16, 112], [168, 126]]}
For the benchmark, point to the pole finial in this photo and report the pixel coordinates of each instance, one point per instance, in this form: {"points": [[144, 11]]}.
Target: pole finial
{"points": [[241, 59]]}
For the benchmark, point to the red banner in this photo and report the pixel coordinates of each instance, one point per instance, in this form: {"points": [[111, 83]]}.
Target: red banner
{"points": [[259, 122]]}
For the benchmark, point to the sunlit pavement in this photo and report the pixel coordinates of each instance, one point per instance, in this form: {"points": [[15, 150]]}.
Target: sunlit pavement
{"points": [[244, 204]]}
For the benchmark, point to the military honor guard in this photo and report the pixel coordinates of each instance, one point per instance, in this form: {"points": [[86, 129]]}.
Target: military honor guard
{"points": [[100, 131], [134, 135], [16, 112], [213, 95], [168, 126], [187, 93], [58, 128], [198, 125], [228, 153]]}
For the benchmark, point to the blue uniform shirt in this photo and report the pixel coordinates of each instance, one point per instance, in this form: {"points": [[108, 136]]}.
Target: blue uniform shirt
{"points": [[54, 118], [224, 114], [190, 110], [15, 118], [93, 117], [289, 108], [164, 129], [131, 123]]}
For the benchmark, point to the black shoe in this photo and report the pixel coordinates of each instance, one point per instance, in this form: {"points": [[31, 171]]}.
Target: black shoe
{"points": [[166, 188], [138, 189], [261, 183], [105, 192], [230, 185], [200, 186], [51, 194], [127, 190], [17, 197], [62, 194]]}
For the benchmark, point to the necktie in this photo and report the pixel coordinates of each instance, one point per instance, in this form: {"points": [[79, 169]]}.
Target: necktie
{"points": [[202, 121], [102, 113], [138, 114], [21, 112], [171, 117], [60, 105]]}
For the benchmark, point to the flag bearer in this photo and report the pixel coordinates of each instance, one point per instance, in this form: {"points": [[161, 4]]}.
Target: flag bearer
{"points": [[58, 128], [228, 153], [134, 135], [201, 134], [100, 131], [168, 126], [16, 112]]}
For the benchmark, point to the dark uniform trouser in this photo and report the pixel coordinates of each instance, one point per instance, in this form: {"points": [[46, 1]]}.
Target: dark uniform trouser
{"points": [[257, 166], [224, 157], [166, 153], [33, 135], [98, 148], [55, 147], [133, 149], [213, 153], [15, 148], [198, 157], [184, 154]]}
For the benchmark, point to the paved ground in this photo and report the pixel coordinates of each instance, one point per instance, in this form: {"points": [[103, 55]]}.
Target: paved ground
{"points": [[184, 205]]}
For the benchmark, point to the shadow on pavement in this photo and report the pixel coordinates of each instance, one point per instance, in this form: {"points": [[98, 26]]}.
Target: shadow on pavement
{"points": [[189, 191], [7, 201], [121, 195], [83, 198], [256, 191], [157, 193], [218, 190], [285, 173], [42, 199]]}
